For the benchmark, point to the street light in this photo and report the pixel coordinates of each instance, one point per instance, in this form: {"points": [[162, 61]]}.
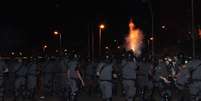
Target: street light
{"points": [[102, 26], [60, 39], [44, 48], [152, 38], [148, 42], [100, 30], [12, 53]]}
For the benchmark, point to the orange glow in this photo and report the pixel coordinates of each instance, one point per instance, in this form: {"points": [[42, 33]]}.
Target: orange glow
{"points": [[134, 40], [102, 26], [199, 32], [45, 46], [56, 33]]}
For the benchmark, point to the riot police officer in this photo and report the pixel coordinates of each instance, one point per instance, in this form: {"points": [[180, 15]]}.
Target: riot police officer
{"points": [[90, 76], [3, 73], [181, 82], [104, 73], [20, 72], [195, 79], [159, 71], [129, 77], [32, 78], [74, 77], [144, 79]]}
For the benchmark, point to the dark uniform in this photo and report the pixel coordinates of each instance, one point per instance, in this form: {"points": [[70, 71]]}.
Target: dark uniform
{"points": [[160, 87], [129, 78], [91, 77], [74, 77], [32, 78], [104, 71], [3, 70], [144, 79], [20, 73], [195, 81], [181, 82]]}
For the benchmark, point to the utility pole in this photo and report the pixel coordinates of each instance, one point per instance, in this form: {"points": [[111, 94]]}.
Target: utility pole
{"points": [[152, 27], [193, 27], [89, 44], [92, 42]]}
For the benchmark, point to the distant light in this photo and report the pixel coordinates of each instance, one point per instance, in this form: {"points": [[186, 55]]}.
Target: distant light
{"points": [[199, 32], [118, 47], [25, 58], [45, 46], [102, 26], [152, 38], [12, 53], [65, 50], [56, 32], [20, 53], [106, 47], [115, 40], [163, 27], [189, 32], [57, 51]]}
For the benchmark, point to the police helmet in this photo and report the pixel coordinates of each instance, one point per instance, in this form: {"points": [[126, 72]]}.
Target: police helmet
{"points": [[130, 56]]}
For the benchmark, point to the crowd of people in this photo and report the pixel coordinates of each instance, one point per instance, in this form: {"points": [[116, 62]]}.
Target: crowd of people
{"points": [[144, 78]]}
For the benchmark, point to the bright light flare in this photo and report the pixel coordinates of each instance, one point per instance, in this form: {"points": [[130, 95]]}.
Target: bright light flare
{"points": [[56, 32], [134, 40], [12, 53], [106, 47], [45, 46], [163, 27], [102, 26], [152, 38]]}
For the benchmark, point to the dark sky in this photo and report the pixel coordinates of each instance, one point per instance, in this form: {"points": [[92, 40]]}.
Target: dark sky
{"points": [[176, 16], [28, 24]]}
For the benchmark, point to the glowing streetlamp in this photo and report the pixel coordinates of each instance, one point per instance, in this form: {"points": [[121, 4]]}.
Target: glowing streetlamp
{"points": [[12, 53], [56, 33], [44, 48], [152, 38], [60, 39], [148, 42], [102, 26]]}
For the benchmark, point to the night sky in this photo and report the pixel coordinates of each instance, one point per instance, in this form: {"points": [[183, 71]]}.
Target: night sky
{"points": [[26, 25]]}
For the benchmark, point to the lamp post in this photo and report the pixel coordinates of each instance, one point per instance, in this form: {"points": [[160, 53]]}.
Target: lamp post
{"points": [[193, 27], [44, 47], [150, 6], [44, 50], [100, 32], [60, 39], [148, 42]]}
